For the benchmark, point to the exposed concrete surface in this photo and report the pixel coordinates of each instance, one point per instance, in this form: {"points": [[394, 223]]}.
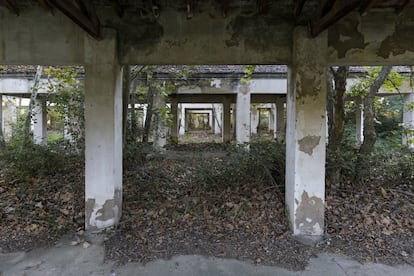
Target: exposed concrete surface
{"points": [[65, 259]]}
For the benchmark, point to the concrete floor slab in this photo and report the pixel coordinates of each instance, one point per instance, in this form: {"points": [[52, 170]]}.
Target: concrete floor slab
{"points": [[65, 259]]}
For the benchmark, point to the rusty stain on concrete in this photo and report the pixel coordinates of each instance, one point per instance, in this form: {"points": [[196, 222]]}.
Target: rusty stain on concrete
{"points": [[308, 143], [309, 214]]}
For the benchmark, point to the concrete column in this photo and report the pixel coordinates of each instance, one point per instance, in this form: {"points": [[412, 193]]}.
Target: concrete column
{"points": [[280, 119], [1, 114], [217, 110], [254, 120], [408, 121], [243, 114], [103, 132], [359, 121], [227, 135], [272, 120], [175, 122], [160, 124], [305, 138], [182, 126], [40, 122]]}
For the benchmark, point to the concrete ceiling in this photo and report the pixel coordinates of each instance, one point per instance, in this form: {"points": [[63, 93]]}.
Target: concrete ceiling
{"points": [[318, 15]]}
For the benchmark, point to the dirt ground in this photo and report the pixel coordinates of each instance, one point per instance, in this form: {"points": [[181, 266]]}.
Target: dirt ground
{"points": [[167, 212]]}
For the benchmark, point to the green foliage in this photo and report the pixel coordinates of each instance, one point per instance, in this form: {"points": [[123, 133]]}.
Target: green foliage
{"points": [[67, 95], [248, 72], [389, 162], [264, 162], [33, 161], [136, 154]]}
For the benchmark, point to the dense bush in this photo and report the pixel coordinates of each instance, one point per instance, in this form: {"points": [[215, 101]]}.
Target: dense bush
{"points": [[264, 162], [33, 161], [387, 163]]}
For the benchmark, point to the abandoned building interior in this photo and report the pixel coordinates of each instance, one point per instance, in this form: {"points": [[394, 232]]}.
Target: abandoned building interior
{"points": [[305, 35]]}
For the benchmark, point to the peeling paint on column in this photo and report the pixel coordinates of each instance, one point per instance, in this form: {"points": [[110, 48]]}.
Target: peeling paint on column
{"points": [[89, 205], [310, 215], [308, 143], [107, 212], [346, 36], [99, 216]]}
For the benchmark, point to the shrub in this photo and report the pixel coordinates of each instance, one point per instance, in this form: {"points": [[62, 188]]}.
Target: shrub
{"points": [[264, 162], [34, 161]]}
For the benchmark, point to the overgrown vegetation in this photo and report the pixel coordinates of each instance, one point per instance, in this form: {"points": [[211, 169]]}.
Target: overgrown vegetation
{"points": [[199, 199]]}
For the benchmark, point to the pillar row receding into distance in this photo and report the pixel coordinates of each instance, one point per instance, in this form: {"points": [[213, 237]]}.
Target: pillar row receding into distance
{"points": [[40, 122], [243, 114], [103, 132], [305, 138]]}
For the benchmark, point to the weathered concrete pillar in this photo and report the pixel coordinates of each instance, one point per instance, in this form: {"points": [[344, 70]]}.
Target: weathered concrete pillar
{"points": [[40, 122], [160, 124], [182, 126], [175, 123], [359, 121], [254, 120], [1, 119], [103, 132], [305, 139], [243, 114], [280, 119], [218, 125], [408, 121], [272, 119], [227, 135]]}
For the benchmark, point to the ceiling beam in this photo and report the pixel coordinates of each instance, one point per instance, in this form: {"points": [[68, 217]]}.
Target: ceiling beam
{"points": [[402, 6], [11, 6], [75, 10], [338, 11], [298, 7], [46, 5], [327, 7], [118, 7], [366, 6]]}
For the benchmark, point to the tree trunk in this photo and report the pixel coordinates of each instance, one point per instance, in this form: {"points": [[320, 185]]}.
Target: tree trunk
{"points": [[132, 113], [336, 115], [370, 135], [33, 96], [337, 128], [148, 118]]}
